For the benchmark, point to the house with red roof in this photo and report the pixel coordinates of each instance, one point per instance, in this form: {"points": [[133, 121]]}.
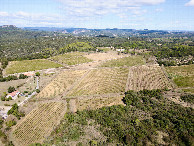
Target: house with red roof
{"points": [[29, 74], [13, 95]]}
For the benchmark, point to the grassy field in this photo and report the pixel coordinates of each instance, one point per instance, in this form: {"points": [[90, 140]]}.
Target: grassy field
{"points": [[147, 77], [183, 76], [126, 61], [71, 58], [61, 83], [38, 123], [184, 70], [30, 65], [105, 49], [102, 81]]}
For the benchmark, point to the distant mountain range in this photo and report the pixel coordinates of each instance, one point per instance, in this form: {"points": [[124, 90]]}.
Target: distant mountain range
{"points": [[115, 32]]}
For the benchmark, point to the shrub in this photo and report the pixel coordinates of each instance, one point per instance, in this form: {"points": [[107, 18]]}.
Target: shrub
{"points": [[2, 98], [25, 92], [10, 98], [37, 90], [188, 98], [10, 123]]}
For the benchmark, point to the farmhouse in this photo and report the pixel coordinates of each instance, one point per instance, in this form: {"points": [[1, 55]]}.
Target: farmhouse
{"points": [[13, 95], [29, 74]]}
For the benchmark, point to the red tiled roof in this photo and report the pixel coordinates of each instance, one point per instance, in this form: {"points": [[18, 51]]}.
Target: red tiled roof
{"points": [[29, 74], [13, 93]]}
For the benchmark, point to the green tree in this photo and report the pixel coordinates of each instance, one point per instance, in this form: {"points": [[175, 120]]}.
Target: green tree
{"points": [[11, 89], [37, 74], [22, 76]]}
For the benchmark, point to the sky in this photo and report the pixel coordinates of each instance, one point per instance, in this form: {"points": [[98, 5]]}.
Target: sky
{"points": [[123, 14]]}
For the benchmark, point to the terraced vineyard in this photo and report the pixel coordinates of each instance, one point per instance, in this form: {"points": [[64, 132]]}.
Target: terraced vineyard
{"points": [[39, 123], [99, 102], [61, 83], [71, 58], [147, 77], [102, 81]]}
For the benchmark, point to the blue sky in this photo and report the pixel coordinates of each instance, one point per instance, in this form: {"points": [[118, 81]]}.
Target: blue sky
{"points": [[135, 14]]}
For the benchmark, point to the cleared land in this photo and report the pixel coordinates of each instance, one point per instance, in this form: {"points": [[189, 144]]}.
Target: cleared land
{"points": [[183, 76], [126, 61], [71, 58], [101, 81], [30, 65], [105, 56], [61, 83], [39, 123], [147, 77]]}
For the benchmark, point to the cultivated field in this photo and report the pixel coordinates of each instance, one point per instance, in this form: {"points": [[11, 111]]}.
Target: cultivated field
{"points": [[38, 124], [61, 83], [147, 77], [183, 76], [99, 102], [126, 61], [101, 81], [71, 58], [30, 65]]}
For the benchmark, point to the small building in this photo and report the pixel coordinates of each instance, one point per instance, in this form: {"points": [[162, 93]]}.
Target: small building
{"points": [[29, 74], [13, 95], [120, 50]]}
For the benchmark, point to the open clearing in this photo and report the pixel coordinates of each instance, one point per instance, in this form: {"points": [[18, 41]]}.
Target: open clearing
{"points": [[71, 58], [101, 81], [126, 61], [147, 77], [105, 56], [38, 123], [30, 65], [61, 83], [183, 76]]}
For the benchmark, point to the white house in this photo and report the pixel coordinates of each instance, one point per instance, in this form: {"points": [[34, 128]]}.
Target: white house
{"points": [[120, 50]]}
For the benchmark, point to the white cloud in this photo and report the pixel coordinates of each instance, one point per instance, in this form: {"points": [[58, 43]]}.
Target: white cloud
{"points": [[3, 14], [30, 19], [90, 8], [190, 3], [159, 10], [81, 13]]}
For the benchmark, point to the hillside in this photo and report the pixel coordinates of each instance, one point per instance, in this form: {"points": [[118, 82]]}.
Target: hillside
{"points": [[84, 94]]}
